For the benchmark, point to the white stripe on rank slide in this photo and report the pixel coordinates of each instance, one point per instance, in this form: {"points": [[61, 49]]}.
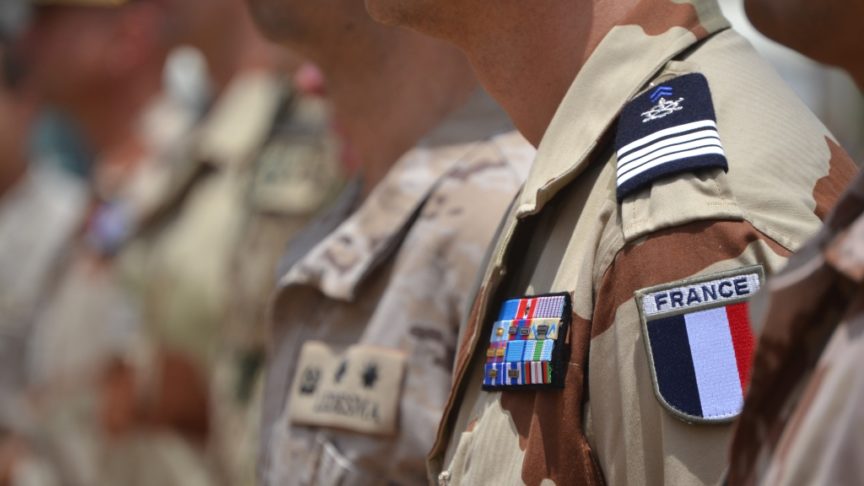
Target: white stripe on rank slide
{"points": [[717, 150], [714, 362], [656, 152], [681, 139], [625, 150], [700, 294]]}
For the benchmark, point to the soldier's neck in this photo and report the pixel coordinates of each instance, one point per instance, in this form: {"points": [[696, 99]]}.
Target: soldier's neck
{"points": [[240, 50], [110, 123], [384, 104], [529, 73]]}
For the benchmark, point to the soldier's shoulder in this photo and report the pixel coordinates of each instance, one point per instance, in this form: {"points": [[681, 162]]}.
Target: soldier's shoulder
{"points": [[718, 136]]}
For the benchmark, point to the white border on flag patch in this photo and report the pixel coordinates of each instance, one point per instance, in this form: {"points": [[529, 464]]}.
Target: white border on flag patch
{"points": [[704, 293], [751, 272]]}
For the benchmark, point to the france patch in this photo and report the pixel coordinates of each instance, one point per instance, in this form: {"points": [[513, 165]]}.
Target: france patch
{"points": [[527, 348], [699, 342], [668, 130]]}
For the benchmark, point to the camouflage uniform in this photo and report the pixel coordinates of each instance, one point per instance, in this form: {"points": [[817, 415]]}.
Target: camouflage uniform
{"points": [[38, 220], [91, 319], [203, 261], [367, 314], [571, 232], [802, 420]]}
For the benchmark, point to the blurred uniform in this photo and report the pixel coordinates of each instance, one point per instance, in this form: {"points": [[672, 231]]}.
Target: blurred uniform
{"points": [[609, 341], [92, 322], [38, 219], [804, 416], [204, 261], [39, 216], [367, 313]]}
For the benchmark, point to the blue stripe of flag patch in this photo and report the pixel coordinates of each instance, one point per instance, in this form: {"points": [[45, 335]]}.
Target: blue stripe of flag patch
{"points": [[668, 130]]}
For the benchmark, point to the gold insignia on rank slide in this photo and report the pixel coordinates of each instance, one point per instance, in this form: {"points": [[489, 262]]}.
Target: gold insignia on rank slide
{"points": [[527, 348], [356, 390], [699, 342]]}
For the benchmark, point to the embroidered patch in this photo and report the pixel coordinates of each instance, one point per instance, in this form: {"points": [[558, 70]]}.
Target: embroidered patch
{"points": [[699, 342], [527, 348], [667, 130], [357, 389]]}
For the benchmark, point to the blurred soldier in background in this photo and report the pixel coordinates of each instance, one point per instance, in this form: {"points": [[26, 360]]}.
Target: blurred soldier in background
{"points": [[40, 209], [803, 420], [369, 305], [675, 169], [257, 166], [101, 62], [161, 292]]}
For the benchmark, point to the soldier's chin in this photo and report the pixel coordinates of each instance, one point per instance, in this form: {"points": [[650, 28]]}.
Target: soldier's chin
{"points": [[393, 12]]}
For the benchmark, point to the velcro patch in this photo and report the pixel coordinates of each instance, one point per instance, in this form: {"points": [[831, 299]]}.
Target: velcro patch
{"points": [[527, 348], [699, 342], [668, 130], [356, 390]]}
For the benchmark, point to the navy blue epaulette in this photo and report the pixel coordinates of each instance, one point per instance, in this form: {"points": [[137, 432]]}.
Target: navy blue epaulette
{"points": [[670, 129]]}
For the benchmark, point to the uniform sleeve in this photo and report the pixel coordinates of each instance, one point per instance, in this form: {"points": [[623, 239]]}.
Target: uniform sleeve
{"points": [[822, 442], [660, 401]]}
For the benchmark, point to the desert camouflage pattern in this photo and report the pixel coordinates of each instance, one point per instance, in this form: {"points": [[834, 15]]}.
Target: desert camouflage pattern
{"points": [[89, 321], [38, 221], [803, 418], [568, 233], [203, 262], [395, 273]]}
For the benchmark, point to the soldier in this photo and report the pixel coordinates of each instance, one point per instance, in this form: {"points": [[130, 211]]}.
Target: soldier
{"points": [[609, 341], [802, 419], [366, 317], [101, 61], [257, 167], [40, 210]]}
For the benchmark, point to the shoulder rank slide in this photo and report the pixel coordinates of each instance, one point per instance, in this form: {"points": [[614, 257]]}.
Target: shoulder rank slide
{"points": [[699, 343], [527, 349], [669, 129]]}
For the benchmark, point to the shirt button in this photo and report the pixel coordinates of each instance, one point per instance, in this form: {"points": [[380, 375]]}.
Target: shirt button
{"points": [[444, 478]]}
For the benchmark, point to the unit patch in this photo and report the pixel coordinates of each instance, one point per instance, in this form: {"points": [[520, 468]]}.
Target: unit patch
{"points": [[356, 390], [527, 348], [667, 130], [699, 343]]}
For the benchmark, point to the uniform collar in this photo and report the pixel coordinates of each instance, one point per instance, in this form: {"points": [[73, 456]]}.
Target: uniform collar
{"points": [[241, 119], [627, 58], [227, 137], [341, 261]]}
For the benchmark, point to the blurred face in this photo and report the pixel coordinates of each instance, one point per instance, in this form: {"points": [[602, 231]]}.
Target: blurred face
{"points": [[826, 30], [63, 51], [305, 24], [436, 17], [195, 22]]}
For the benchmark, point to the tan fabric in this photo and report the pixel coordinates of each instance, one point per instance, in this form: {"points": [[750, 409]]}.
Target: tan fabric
{"points": [[38, 219], [395, 274], [802, 420], [568, 233], [91, 319], [204, 261]]}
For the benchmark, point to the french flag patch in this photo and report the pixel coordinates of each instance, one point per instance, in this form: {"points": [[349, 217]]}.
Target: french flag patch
{"points": [[700, 344], [667, 130]]}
